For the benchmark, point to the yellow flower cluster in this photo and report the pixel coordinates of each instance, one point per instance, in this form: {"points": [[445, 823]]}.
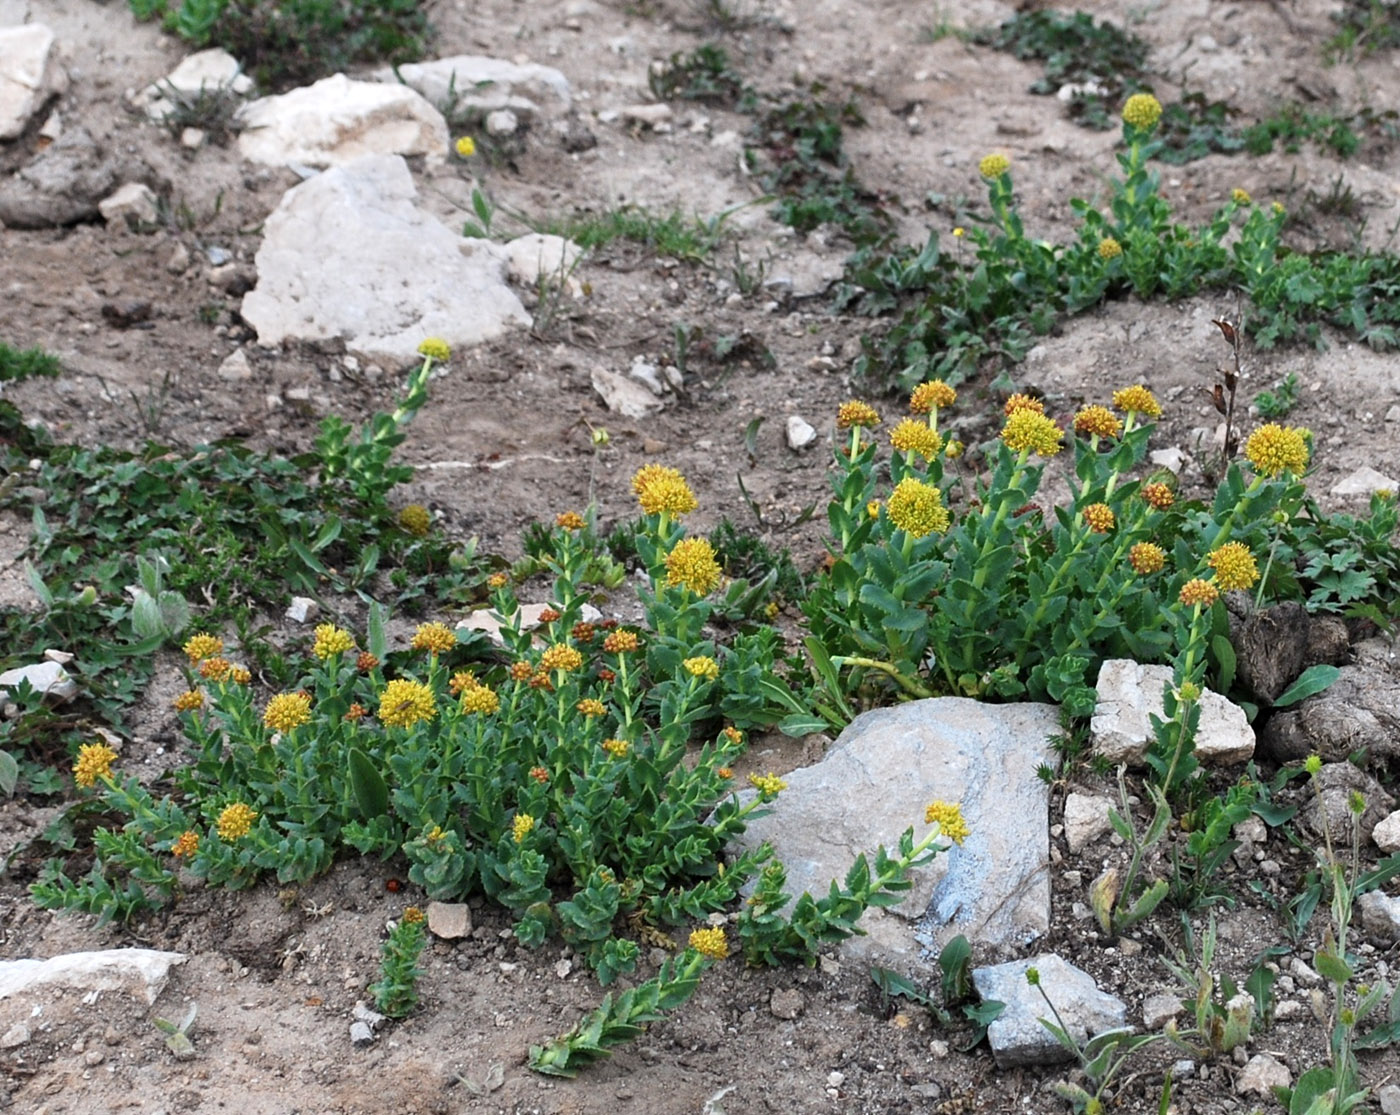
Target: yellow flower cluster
{"points": [[1137, 400], [767, 784], [521, 827], [663, 490], [910, 436], [412, 915], [240, 675], [1159, 496], [435, 348], [570, 520], [948, 816], [1142, 111], [1100, 517], [617, 748], [1198, 593], [404, 703], [1097, 421], [236, 821], [692, 563], [331, 640], [188, 701], [591, 706], [934, 393], [993, 166], [1240, 197], [1109, 248], [435, 638], [415, 520], [479, 699], [620, 642], [1019, 401], [1147, 557], [917, 508], [185, 845], [856, 413], [94, 761], [465, 146], [560, 656], [287, 711], [1234, 567], [217, 668], [1028, 430], [497, 580], [1273, 448], [710, 942], [202, 646], [702, 667]]}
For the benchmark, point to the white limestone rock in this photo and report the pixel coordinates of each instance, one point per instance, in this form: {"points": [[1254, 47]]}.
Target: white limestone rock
{"points": [[800, 433], [1017, 1036], [623, 395], [1086, 819], [48, 678], [30, 74], [538, 255], [1387, 834], [1129, 693], [473, 84], [1364, 483], [205, 71], [135, 202], [139, 972]]}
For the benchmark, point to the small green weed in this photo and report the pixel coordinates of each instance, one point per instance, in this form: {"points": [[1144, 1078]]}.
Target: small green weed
{"points": [[1193, 128], [673, 236], [1277, 401], [17, 363], [396, 992], [1364, 27], [703, 75]]}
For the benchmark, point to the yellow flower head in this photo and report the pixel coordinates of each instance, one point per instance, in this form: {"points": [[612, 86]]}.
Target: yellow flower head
{"points": [[692, 563], [620, 641], [911, 436], [1240, 197], [189, 700], [872, 509], [959, 232], [365, 662], [435, 348], [767, 784], [521, 827], [1028, 430], [917, 508], [1277, 208], [1273, 448], [332, 640], [240, 675], [1200, 593], [217, 668], [435, 638], [934, 393], [1137, 400], [1097, 421], [617, 748], [1147, 557], [1312, 764], [1159, 496], [287, 711], [733, 735], [404, 703], [1109, 248], [202, 646], [560, 656], [660, 489], [710, 942], [416, 520], [856, 413], [412, 915], [1100, 517], [570, 520], [497, 580], [465, 146], [185, 845], [591, 706], [235, 821], [1234, 567], [948, 816], [954, 449], [479, 699], [1189, 692], [993, 166], [356, 711], [1019, 401], [94, 761], [1142, 111], [701, 667], [461, 680]]}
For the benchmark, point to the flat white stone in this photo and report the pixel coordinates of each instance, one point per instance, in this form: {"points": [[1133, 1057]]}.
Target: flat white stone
{"points": [[476, 83], [800, 432], [205, 71], [30, 73], [1364, 482], [134, 201], [140, 972], [48, 678], [538, 255], [624, 396], [1130, 693], [1086, 819]]}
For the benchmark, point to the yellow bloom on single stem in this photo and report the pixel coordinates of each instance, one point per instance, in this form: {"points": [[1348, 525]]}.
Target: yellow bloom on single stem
{"points": [[1234, 567], [235, 821], [331, 640], [767, 785], [948, 816], [497, 580], [960, 232], [570, 520], [1109, 249], [931, 396], [1142, 111], [217, 668], [702, 666], [1099, 517], [560, 656], [203, 646], [412, 915], [872, 509], [240, 675], [1097, 421], [435, 638], [1137, 400], [692, 563], [1240, 197], [522, 826], [1198, 593], [94, 761], [621, 641], [617, 748], [465, 147], [993, 166], [405, 703], [1147, 557], [287, 711], [591, 706], [185, 845], [435, 348], [1028, 431], [480, 700], [710, 942], [189, 700], [911, 437], [1158, 496], [1273, 448], [855, 414], [416, 520], [917, 508], [1019, 401], [663, 491]]}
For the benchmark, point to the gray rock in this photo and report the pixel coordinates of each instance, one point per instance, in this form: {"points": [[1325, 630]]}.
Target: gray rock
{"points": [[472, 84], [537, 256], [1172, 458], [1380, 917], [800, 433], [15, 1036], [48, 678], [63, 184], [1086, 819], [623, 395], [1017, 1037], [1159, 1009], [235, 367], [1271, 646], [502, 122], [1393, 415], [1387, 834], [1129, 692], [878, 779], [362, 1013], [134, 203], [337, 121], [786, 1003], [138, 972], [449, 920], [1364, 483], [1360, 711], [656, 117], [1329, 804], [361, 1036], [30, 74], [806, 274], [204, 72], [1389, 1099], [348, 255], [303, 609], [1261, 1075]]}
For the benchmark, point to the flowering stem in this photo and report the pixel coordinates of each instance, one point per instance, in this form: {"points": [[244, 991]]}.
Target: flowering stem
{"points": [[911, 687]]}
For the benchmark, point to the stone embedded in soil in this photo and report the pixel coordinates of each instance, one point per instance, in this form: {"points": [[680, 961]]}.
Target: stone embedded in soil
{"points": [[204, 73], [64, 183], [1017, 1037], [1129, 692], [139, 972], [132, 202], [348, 255], [30, 74], [538, 256], [1330, 803], [800, 432], [1261, 1075], [1364, 483], [449, 920], [1086, 819], [1389, 1099], [877, 780], [1271, 647], [338, 121], [1380, 917], [48, 678], [303, 610], [624, 396], [474, 84], [1159, 1009], [1387, 834]]}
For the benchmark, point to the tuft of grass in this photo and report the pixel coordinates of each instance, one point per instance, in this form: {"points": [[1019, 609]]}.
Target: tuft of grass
{"points": [[1363, 27], [675, 235], [22, 363]]}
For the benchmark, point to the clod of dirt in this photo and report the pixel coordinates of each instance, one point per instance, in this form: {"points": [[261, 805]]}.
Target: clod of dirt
{"points": [[1271, 648], [1359, 711], [64, 183], [1331, 802]]}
